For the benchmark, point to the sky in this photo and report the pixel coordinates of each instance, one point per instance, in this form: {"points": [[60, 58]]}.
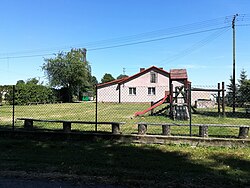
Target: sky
{"points": [[122, 36]]}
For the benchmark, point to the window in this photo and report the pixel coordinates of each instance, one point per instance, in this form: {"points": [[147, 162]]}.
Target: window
{"points": [[153, 77], [132, 91], [151, 90]]}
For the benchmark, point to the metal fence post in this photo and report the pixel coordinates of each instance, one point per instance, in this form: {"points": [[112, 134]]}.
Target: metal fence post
{"points": [[13, 108], [190, 110], [96, 108]]}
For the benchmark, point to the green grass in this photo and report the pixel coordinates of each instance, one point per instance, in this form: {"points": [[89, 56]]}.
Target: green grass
{"points": [[123, 112], [130, 164]]}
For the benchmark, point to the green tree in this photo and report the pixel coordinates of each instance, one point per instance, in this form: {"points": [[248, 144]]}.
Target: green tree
{"points": [[70, 71], [94, 80], [244, 88], [32, 81], [4, 90], [122, 76], [20, 82], [243, 77], [28, 92], [229, 95], [107, 78]]}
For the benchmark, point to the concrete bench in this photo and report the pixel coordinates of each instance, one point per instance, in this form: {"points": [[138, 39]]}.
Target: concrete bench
{"points": [[203, 128], [28, 124]]}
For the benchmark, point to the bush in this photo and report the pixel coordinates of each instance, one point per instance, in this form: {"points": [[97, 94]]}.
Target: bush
{"points": [[26, 93]]}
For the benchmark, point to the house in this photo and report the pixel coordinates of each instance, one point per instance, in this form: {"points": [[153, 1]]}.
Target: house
{"points": [[148, 85]]}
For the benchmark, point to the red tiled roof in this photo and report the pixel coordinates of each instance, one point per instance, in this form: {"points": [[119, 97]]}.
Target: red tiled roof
{"points": [[124, 80], [178, 74], [110, 83]]}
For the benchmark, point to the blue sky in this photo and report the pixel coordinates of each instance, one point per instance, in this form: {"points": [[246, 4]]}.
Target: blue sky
{"points": [[37, 28]]}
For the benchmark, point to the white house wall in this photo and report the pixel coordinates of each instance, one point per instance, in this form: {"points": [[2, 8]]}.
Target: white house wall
{"points": [[142, 84], [202, 95], [108, 94]]}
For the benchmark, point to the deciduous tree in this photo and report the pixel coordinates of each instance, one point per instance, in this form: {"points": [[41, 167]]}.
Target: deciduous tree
{"points": [[107, 78], [122, 76], [70, 71]]}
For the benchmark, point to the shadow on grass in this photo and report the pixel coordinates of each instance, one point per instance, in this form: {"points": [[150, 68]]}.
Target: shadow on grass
{"points": [[234, 162], [240, 168], [127, 164], [5, 127]]}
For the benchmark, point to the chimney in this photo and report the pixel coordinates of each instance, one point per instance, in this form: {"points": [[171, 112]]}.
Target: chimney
{"points": [[142, 69], [161, 68]]}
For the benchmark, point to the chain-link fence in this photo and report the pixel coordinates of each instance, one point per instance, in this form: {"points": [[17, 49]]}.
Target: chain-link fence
{"points": [[131, 105]]}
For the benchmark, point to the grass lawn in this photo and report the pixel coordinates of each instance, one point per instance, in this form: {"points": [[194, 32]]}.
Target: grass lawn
{"points": [[123, 112], [134, 165]]}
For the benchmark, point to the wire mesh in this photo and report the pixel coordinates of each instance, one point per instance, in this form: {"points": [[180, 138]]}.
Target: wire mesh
{"points": [[130, 105]]}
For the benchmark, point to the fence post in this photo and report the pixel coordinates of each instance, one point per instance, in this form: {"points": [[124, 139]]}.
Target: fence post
{"points": [[96, 108], [218, 99], [223, 99], [189, 109], [13, 108], [171, 100], [142, 129]]}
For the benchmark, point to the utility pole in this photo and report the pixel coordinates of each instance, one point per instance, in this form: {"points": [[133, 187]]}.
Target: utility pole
{"points": [[234, 85]]}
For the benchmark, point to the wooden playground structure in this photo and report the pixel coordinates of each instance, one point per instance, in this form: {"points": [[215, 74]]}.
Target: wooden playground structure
{"points": [[178, 98]]}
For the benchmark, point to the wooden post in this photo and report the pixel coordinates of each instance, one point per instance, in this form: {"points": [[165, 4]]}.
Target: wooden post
{"points": [[218, 99], [166, 130], [28, 124], [243, 132], [67, 127], [203, 131], [142, 129], [189, 109], [223, 99], [171, 100], [115, 128]]}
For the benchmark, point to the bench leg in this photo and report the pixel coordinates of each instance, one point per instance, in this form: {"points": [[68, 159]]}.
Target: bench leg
{"points": [[28, 124], [166, 130], [115, 128], [203, 131], [142, 129], [66, 127], [243, 132]]}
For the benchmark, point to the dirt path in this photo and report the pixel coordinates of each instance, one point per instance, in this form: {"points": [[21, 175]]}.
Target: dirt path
{"points": [[35, 183], [21, 179]]}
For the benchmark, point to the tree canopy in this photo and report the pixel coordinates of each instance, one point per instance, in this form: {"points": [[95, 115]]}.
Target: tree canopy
{"points": [[107, 78], [69, 70], [29, 91], [122, 76]]}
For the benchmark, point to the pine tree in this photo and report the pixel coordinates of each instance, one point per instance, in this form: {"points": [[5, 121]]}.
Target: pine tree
{"points": [[229, 95], [244, 89]]}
